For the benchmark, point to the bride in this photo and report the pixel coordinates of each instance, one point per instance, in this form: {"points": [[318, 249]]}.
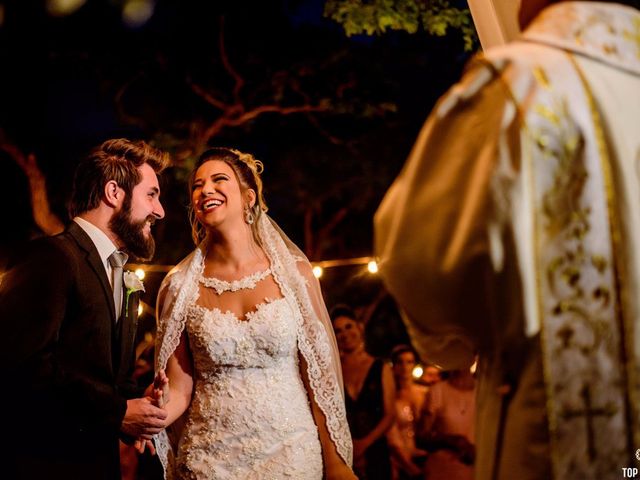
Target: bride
{"points": [[246, 343]]}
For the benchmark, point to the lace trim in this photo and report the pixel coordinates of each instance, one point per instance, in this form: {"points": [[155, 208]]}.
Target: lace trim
{"points": [[183, 290], [312, 342], [245, 283]]}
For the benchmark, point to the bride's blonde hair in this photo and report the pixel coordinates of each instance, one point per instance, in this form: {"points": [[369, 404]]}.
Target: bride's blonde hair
{"points": [[247, 170]]}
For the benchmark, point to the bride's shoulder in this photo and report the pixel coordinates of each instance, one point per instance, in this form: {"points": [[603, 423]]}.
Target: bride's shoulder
{"points": [[177, 275], [304, 268]]}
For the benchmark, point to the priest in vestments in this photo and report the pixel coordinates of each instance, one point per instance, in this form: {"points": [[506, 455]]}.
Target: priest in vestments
{"points": [[513, 232]]}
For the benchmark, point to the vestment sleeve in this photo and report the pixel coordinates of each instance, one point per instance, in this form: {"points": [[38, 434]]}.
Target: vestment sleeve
{"points": [[431, 228]]}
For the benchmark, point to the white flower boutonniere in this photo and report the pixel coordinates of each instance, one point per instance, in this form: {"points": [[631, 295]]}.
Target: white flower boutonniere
{"points": [[133, 284]]}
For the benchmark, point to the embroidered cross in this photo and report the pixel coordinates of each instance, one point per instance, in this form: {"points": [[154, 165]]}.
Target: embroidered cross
{"points": [[590, 412]]}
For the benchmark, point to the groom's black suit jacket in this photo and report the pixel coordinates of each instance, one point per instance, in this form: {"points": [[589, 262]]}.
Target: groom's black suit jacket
{"points": [[65, 363]]}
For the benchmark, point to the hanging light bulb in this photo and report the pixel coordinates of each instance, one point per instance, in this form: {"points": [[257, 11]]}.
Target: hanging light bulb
{"points": [[317, 271], [136, 13], [417, 371], [372, 266], [474, 367], [140, 273], [61, 8]]}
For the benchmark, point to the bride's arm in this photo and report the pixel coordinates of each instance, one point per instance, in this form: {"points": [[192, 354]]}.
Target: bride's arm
{"points": [[178, 377], [180, 373], [334, 466]]}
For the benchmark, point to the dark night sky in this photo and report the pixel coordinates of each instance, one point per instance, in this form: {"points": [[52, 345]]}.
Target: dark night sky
{"points": [[60, 77]]}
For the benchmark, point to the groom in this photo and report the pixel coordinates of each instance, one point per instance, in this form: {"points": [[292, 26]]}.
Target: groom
{"points": [[68, 325]]}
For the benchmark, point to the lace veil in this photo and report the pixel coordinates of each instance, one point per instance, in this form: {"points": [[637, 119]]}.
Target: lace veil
{"points": [[316, 341]]}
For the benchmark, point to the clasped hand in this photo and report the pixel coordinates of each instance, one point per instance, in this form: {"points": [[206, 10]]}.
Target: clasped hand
{"points": [[158, 395]]}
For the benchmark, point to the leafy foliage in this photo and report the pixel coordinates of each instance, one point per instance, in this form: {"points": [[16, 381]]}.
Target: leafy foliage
{"points": [[375, 17]]}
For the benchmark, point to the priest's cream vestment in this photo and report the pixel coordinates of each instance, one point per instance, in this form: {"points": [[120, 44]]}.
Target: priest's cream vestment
{"points": [[513, 231]]}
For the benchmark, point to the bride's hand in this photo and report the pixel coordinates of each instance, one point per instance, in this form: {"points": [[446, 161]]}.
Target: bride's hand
{"points": [[140, 445], [161, 389]]}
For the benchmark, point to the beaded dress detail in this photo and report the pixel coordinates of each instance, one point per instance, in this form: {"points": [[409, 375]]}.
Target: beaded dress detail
{"points": [[248, 282], [250, 416]]}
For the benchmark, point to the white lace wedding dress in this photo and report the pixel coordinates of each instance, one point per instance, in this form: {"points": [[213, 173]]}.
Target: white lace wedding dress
{"points": [[250, 416]]}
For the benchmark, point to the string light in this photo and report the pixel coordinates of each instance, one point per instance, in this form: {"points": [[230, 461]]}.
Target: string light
{"points": [[318, 270], [318, 267], [59, 8], [474, 367], [417, 371], [137, 12]]}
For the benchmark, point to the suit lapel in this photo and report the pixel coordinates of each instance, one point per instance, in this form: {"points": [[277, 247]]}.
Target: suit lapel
{"points": [[123, 332], [92, 257]]}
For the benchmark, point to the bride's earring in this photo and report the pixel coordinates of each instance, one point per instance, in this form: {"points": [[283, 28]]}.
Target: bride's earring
{"points": [[248, 216]]}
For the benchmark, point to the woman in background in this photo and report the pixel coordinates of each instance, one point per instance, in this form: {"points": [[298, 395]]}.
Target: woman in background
{"points": [[448, 427], [406, 458], [369, 397]]}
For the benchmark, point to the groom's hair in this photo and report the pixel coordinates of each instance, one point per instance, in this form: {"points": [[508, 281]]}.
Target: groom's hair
{"points": [[117, 159]]}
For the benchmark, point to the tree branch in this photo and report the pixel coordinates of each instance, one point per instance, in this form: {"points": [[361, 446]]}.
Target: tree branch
{"points": [[323, 131], [251, 114], [44, 218], [308, 232], [235, 116], [295, 85], [119, 101], [239, 81], [328, 227], [369, 309], [206, 96]]}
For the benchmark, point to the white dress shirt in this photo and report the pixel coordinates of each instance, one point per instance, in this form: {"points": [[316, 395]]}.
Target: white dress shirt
{"points": [[103, 244]]}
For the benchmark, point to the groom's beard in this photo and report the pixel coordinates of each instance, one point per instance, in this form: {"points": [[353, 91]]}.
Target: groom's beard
{"points": [[132, 235]]}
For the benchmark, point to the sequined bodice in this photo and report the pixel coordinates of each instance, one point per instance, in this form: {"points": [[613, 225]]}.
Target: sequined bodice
{"points": [[220, 339]]}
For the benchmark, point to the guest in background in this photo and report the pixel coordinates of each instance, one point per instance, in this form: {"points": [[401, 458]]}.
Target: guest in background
{"points": [[430, 375], [406, 458], [369, 397], [447, 427]]}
